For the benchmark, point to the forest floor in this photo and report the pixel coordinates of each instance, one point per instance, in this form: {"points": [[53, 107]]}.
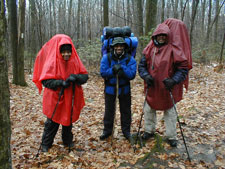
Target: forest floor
{"points": [[201, 112]]}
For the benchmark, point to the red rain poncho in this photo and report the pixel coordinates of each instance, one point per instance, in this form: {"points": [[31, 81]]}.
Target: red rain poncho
{"points": [[176, 54], [49, 64]]}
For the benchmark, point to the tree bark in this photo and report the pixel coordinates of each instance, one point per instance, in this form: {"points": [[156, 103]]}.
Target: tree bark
{"points": [[151, 11], [162, 11], [106, 12], [20, 52], [209, 22], [175, 7], [89, 13], [78, 23], [140, 17], [183, 10], [129, 18], [5, 125], [13, 37], [222, 47], [168, 8], [193, 14], [203, 17], [216, 22], [69, 18], [54, 18]]}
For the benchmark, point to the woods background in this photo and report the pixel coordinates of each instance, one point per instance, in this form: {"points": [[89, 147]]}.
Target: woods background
{"points": [[25, 25], [36, 21]]}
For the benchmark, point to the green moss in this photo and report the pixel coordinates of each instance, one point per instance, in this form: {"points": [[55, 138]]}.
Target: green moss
{"points": [[158, 145], [158, 148]]}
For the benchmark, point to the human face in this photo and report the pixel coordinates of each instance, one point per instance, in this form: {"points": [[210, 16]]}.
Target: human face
{"points": [[119, 49], [161, 38], [66, 55]]}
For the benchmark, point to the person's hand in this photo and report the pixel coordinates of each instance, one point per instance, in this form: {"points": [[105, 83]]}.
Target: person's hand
{"points": [[121, 73], [72, 78], [149, 80], [116, 68], [169, 83]]}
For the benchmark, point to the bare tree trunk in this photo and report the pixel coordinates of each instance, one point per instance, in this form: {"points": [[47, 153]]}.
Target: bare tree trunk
{"points": [[118, 19], [69, 18], [203, 17], [89, 20], [33, 33], [222, 47], [216, 22], [78, 23], [151, 11], [193, 14], [140, 17], [183, 9], [5, 125], [210, 26], [209, 22], [13, 37], [39, 25], [20, 49], [83, 35], [129, 18], [54, 18], [162, 11], [168, 8], [175, 8], [124, 13], [106, 12], [50, 19], [135, 15]]}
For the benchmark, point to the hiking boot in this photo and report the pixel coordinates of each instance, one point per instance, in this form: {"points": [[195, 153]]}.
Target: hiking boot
{"points": [[147, 135], [127, 136], [71, 145], [130, 139], [44, 149], [172, 143], [104, 136]]}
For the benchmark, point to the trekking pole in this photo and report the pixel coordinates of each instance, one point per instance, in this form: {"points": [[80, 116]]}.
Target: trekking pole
{"points": [[139, 128], [60, 95], [179, 125], [114, 120], [71, 115]]}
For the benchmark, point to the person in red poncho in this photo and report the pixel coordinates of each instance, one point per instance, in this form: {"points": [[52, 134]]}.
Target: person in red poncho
{"points": [[59, 69], [164, 68]]}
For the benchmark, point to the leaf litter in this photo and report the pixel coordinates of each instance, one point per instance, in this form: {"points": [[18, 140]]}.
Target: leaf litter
{"points": [[202, 113]]}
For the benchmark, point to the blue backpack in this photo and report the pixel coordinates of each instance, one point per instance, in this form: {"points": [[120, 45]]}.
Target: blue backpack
{"points": [[110, 33]]}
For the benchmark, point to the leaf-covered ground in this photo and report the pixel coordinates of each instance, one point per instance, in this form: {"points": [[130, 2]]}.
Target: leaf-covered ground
{"points": [[201, 112]]}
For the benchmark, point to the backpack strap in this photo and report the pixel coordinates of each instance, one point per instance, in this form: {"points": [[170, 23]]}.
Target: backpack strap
{"points": [[128, 60], [130, 47], [109, 59]]}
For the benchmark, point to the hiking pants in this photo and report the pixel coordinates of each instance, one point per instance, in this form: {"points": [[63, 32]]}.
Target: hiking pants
{"points": [[125, 113], [50, 131], [170, 118]]}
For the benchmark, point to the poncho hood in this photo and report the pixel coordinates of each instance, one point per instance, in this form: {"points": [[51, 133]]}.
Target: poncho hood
{"points": [[49, 64]]}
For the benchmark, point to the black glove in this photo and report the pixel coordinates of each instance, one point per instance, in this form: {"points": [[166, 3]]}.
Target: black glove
{"points": [[65, 84], [72, 78], [54, 84], [149, 80], [116, 68], [169, 83], [121, 73]]}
